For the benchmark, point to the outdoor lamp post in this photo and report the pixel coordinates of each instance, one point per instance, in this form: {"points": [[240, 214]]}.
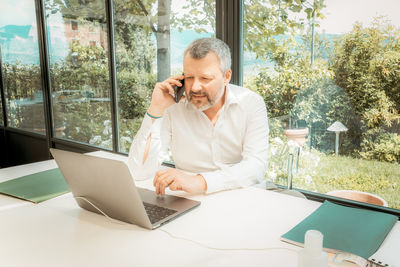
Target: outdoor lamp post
{"points": [[337, 127]]}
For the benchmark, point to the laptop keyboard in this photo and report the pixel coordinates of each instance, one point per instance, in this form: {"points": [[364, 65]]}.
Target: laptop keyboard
{"points": [[157, 213]]}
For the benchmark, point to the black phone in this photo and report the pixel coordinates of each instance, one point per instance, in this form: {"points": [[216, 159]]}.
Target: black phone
{"points": [[178, 91]]}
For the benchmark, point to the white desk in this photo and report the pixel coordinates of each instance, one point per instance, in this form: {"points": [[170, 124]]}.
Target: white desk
{"points": [[59, 233]]}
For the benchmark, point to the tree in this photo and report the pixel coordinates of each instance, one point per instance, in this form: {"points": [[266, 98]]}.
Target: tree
{"points": [[367, 66], [265, 21]]}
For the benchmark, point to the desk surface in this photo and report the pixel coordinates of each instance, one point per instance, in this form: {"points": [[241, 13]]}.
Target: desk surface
{"points": [[59, 233]]}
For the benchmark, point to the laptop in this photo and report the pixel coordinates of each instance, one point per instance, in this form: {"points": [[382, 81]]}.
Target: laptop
{"points": [[106, 186]]}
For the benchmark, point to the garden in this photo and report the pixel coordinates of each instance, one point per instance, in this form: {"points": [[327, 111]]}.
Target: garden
{"points": [[356, 83]]}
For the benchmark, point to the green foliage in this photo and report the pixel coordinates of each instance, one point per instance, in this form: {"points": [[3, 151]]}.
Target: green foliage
{"points": [[192, 19], [80, 86], [127, 130], [85, 68], [379, 144], [24, 96], [134, 98], [135, 54], [88, 122], [77, 9], [319, 106], [316, 97], [306, 97], [22, 80], [367, 66], [280, 89], [265, 22], [135, 78]]}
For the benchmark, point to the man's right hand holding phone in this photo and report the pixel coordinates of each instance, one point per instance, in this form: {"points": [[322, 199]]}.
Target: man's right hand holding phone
{"points": [[163, 95]]}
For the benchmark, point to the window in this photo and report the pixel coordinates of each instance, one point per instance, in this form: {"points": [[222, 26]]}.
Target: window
{"points": [[74, 25], [79, 76], [332, 94], [150, 49], [20, 66]]}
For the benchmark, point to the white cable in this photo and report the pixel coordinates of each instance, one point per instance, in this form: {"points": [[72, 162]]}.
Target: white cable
{"points": [[225, 249], [186, 239], [108, 217]]}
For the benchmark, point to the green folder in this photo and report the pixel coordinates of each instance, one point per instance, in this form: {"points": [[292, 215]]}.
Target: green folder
{"points": [[36, 187], [356, 231]]}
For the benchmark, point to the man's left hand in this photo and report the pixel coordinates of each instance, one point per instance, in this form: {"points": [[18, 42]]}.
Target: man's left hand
{"points": [[178, 180]]}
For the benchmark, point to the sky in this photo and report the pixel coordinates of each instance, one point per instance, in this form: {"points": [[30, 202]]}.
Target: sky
{"points": [[21, 12], [342, 14]]}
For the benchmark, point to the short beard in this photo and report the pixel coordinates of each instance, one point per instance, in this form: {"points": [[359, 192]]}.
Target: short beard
{"points": [[210, 103]]}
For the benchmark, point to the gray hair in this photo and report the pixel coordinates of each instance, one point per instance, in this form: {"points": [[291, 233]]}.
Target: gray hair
{"points": [[201, 47]]}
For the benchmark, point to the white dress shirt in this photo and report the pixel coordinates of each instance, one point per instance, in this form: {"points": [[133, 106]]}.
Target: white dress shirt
{"points": [[231, 154]]}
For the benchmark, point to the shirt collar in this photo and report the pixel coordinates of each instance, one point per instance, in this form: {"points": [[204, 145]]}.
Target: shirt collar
{"points": [[230, 97]]}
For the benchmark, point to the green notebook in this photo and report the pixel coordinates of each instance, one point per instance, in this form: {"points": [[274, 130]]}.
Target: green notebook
{"points": [[356, 231], [36, 187]]}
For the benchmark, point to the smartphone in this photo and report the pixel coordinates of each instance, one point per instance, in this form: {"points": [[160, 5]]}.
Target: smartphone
{"points": [[178, 91]]}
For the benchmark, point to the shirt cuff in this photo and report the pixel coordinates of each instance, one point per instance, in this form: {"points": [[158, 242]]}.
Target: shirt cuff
{"points": [[213, 181]]}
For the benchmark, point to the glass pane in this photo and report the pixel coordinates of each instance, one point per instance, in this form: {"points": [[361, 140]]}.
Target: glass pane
{"points": [[150, 48], [330, 81], [77, 35], [21, 65]]}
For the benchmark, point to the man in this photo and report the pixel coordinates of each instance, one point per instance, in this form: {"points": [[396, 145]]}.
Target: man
{"points": [[218, 133]]}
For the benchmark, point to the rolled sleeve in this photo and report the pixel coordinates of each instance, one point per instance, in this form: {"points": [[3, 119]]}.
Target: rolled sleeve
{"points": [[144, 170]]}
